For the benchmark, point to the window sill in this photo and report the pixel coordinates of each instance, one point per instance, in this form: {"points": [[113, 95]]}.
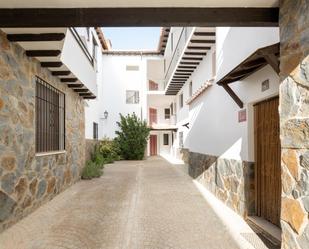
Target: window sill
{"points": [[50, 153]]}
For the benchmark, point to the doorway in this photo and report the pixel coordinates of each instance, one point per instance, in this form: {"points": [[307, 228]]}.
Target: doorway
{"points": [[153, 145], [268, 160]]}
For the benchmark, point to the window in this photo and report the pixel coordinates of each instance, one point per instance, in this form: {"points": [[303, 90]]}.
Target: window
{"points": [[181, 139], [95, 131], [181, 100], [132, 68], [190, 89], [172, 42], [132, 97], [167, 113], [49, 119], [165, 139]]}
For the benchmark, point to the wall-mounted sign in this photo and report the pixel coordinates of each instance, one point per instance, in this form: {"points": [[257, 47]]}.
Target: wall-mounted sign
{"points": [[242, 116], [265, 85]]}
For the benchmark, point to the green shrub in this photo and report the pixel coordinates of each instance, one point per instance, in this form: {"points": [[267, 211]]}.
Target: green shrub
{"points": [[132, 137], [91, 170], [97, 157]]}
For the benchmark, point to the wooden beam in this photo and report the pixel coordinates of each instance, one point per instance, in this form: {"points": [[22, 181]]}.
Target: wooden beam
{"points": [[51, 64], [61, 73], [85, 94], [81, 90], [204, 33], [273, 61], [192, 58], [198, 48], [146, 17], [42, 53], [185, 71], [182, 74], [187, 67], [203, 41], [69, 80], [91, 97], [189, 63], [35, 37], [75, 85], [195, 53], [233, 95]]}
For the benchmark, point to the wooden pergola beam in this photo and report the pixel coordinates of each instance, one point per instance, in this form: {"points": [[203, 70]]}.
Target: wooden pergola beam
{"points": [[146, 17], [51, 64], [43, 53], [35, 37]]}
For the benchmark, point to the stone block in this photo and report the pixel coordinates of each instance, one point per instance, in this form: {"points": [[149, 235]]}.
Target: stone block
{"points": [[7, 206], [8, 182], [293, 214], [295, 133]]}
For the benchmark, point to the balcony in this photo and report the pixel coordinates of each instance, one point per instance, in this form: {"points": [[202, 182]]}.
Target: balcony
{"points": [[185, 34], [61, 51]]}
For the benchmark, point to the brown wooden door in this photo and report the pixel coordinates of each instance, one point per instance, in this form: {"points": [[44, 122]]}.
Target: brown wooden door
{"points": [[153, 145], [152, 116], [268, 158]]}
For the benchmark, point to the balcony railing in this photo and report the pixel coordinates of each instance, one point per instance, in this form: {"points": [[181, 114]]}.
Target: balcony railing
{"points": [[180, 47], [83, 46]]}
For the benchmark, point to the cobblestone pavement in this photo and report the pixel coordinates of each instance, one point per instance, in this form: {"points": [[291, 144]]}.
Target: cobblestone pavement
{"points": [[134, 205]]}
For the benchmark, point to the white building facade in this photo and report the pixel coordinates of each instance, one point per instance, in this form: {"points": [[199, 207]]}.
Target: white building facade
{"points": [[200, 95]]}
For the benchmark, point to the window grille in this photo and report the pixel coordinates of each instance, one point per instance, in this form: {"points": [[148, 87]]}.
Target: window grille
{"points": [[50, 117]]}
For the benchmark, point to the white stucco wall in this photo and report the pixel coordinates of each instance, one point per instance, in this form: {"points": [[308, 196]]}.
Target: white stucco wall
{"points": [[234, 45], [76, 61], [115, 81], [213, 117]]}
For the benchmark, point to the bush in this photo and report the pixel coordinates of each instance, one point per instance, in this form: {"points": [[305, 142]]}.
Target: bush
{"points": [[92, 170], [132, 137], [109, 150], [106, 152]]}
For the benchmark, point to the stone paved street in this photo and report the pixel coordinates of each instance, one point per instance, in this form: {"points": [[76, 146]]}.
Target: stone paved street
{"points": [[147, 204]]}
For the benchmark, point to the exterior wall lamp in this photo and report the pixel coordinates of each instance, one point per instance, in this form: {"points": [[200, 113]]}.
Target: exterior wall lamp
{"points": [[105, 115]]}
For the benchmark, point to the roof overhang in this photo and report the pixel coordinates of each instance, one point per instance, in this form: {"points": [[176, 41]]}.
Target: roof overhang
{"points": [[261, 57], [46, 46]]}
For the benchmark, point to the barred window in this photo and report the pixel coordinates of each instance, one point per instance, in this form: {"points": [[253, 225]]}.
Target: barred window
{"points": [[50, 117]]}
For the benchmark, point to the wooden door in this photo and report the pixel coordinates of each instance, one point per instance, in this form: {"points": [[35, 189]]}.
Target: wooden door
{"points": [[153, 145], [268, 160], [152, 116]]}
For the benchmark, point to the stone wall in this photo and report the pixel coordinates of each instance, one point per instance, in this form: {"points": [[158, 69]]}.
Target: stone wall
{"points": [[28, 180], [90, 146], [231, 181], [294, 122]]}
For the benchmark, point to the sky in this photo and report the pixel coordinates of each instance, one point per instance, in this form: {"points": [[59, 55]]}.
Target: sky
{"points": [[133, 38]]}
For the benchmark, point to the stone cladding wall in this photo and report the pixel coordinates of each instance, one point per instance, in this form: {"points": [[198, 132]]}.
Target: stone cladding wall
{"points": [[28, 180], [231, 181], [294, 122], [90, 146]]}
